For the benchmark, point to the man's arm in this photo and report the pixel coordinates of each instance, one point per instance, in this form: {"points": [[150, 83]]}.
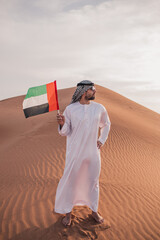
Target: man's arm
{"points": [[64, 123], [60, 120], [105, 127]]}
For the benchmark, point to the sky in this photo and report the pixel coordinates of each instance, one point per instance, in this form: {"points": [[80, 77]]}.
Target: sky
{"points": [[114, 43]]}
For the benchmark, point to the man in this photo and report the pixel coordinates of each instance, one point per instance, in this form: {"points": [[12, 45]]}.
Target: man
{"points": [[81, 121]]}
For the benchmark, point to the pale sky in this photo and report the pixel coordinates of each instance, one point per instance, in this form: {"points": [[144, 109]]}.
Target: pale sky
{"points": [[114, 43]]}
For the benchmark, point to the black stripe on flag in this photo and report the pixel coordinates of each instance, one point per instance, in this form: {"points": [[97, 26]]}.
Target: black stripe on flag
{"points": [[36, 110]]}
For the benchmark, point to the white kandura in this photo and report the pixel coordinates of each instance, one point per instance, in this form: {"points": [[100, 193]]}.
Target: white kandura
{"points": [[79, 184]]}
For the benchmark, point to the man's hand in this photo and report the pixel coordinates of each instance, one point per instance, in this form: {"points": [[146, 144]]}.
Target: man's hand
{"points": [[99, 144], [60, 119]]}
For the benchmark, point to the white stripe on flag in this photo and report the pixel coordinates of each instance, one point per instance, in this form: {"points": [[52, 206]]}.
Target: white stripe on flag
{"points": [[35, 101]]}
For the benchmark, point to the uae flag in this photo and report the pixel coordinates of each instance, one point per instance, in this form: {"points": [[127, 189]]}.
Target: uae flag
{"points": [[41, 99]]}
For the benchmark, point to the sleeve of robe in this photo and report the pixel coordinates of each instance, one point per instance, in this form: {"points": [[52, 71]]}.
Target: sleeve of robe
{"points": [[66, 129], [104, 126]]}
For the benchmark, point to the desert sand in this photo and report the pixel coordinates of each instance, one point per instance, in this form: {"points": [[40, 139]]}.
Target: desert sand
{"points": [[32, 158]]}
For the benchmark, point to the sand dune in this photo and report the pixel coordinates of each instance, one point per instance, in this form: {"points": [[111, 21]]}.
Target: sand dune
{"points": [[32, 156]]}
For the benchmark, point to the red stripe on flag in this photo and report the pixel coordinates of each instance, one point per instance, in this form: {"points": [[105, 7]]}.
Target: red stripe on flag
{"points": [[55, 84], [52, 96]]}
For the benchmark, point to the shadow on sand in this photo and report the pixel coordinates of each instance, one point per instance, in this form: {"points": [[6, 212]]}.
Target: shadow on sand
{"points": [[79, 229]]}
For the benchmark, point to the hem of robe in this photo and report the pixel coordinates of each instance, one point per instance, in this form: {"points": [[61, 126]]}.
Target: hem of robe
{"points": [[68, 210]]}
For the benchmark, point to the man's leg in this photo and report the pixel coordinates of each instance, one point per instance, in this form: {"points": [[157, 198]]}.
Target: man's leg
{"points": [[98, 218], [67, 219]]}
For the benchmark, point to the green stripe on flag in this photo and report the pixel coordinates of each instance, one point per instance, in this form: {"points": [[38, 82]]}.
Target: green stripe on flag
{"points": [[36, 91]]}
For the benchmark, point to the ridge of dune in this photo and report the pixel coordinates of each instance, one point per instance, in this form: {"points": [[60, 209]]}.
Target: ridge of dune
{"points": [[32, 158]]}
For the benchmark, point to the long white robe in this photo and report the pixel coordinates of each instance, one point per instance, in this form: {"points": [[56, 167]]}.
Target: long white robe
{"points": [[79, 184]]}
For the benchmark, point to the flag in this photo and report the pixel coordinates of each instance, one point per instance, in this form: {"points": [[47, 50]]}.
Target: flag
{"points": [[41, 99]]}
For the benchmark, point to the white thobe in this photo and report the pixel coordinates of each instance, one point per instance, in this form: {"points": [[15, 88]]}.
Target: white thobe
{"points": [[79, 184]]}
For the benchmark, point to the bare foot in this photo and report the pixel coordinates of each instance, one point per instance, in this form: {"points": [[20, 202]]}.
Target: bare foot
{"points": [[67, 219], [98, 218]]}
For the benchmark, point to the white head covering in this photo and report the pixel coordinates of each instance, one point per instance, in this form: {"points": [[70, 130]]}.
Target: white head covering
{"points": [[82, 87]]}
